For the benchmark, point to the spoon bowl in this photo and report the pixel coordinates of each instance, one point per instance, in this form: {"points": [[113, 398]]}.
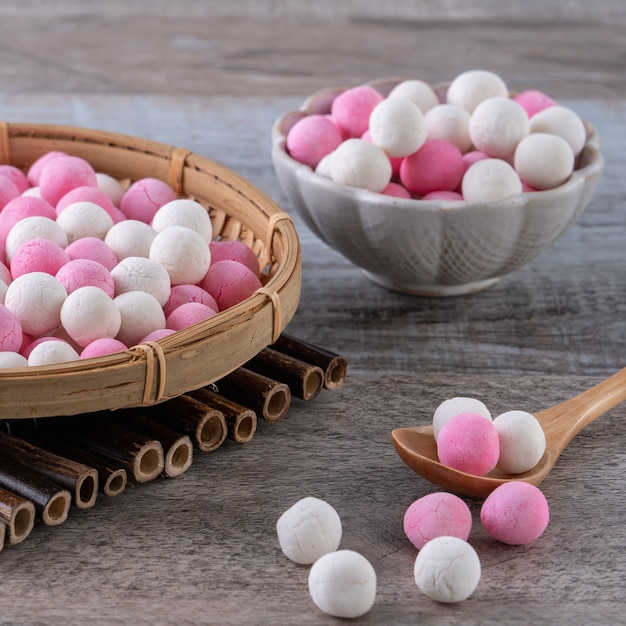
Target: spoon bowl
{"points": [[416, 446]]}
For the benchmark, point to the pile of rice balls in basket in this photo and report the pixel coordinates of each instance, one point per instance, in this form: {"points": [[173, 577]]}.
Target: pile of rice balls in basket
{"points": [[476, 143], [89, 267]]}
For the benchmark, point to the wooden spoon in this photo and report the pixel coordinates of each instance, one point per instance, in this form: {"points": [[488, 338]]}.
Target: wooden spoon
{"points": [[561, 423]]}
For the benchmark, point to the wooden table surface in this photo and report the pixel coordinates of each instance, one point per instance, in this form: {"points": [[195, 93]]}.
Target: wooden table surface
{"points": [[202, 548]]}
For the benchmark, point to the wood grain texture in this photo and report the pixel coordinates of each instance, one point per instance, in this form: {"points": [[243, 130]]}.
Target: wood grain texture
{"points": [[201, 548]]}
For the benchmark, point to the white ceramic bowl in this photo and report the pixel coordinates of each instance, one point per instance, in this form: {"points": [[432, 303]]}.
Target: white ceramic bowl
{"points": [[430, 247]]}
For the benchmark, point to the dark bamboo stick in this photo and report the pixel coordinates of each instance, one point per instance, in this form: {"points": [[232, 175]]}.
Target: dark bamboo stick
{"points": [[177, 447], [334, 366], [112, 479], [269, 398], [79, 479], [304, 379], [18, 515], [51, 501], [241, 420], [141, 456], [205, 425]]}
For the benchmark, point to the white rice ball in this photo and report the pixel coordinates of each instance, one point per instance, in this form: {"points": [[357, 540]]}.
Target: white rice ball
{"points": [[111, 187], [472, 87], [140, 315], [449, 122], [447, 569], [130, 238], [358, 163], [522, 441], [544, 161], [136, 273], [455, 406], [308, 530], [419, 92], [36, 299], [51, 352], [184, 212], [12, 359], [497, 125], [397, 126], [88, 313], [34, 227], [183, 252], [561, 121], [343, 584], [490, 179], [84, 219]]}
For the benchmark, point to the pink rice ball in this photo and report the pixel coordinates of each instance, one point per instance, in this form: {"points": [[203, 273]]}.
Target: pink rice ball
{"points": [[181, 294], [436, 166], [396, 190], [188, 314], [436, 515], [23, 207], [352, 108], [534, 101], [454, 196], [155, 335], [86, 272], [144, 198], [92, 248], [89, 194], [62, 174], [38, 255], [313, 137], [469, 443], [102, 347], [230, 282], [234, 251], [11, 331], [515, 513], [34, 171], [16, 175], [8, 190]]}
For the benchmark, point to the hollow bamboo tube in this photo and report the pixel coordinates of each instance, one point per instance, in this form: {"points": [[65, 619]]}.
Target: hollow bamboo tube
{"points": [[268, 397], [51, 501], [177, 447], [241, 420], [79, 479], [304, 379], [334, 366], [111, 479], [18, 515], [141, 456], [205, 425]]}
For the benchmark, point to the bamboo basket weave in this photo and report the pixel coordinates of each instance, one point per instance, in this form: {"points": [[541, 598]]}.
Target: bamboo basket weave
{"points": [[191, 358]]}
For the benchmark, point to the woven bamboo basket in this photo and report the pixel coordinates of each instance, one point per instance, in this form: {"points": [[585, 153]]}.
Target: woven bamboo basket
{"points": [[194, 357]]}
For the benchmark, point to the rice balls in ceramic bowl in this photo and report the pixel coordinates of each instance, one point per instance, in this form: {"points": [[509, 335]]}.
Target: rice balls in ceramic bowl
{"points": [[436, 190]]}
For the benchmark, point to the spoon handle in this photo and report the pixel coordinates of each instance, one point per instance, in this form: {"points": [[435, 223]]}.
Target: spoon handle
{"points": [[562, 422]]}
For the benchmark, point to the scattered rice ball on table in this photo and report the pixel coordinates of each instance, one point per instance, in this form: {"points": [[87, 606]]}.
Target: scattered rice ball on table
{"points": [[435, 515], [343, 584], [515, 513], [447, 569], [309, 529]]}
